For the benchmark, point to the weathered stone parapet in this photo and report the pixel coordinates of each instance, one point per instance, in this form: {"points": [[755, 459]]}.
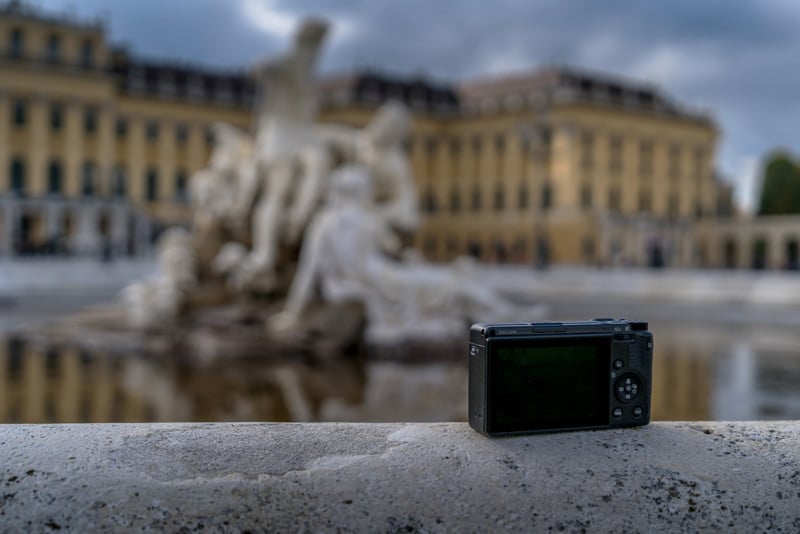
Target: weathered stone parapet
{"points": [[399, 477]]}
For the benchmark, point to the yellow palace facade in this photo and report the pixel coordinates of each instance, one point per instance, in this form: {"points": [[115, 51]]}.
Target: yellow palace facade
{"points": [[97, 148]]}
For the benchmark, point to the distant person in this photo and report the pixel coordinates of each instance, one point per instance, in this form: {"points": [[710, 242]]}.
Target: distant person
{"points": [[542, 253], [105, 250], [656, 253], [474, 249], [792, 263]]}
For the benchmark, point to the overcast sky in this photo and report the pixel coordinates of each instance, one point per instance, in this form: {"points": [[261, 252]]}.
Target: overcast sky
{"points": [[739, 60]]}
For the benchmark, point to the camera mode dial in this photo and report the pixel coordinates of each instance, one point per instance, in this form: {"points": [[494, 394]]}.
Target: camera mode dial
{"points": [[628, 387]]}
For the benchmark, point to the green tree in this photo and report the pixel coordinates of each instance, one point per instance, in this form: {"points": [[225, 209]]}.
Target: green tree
{"points": [[780, 192]]}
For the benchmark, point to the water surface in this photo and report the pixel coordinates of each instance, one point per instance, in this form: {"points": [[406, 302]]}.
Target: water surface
{"points": [[699, 373]]}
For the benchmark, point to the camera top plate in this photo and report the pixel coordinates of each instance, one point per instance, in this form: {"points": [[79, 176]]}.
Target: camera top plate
{"points": [[480, 332]]}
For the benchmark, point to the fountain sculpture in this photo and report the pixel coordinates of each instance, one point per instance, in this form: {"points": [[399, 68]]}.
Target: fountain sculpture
{"points": [[301, 219]]}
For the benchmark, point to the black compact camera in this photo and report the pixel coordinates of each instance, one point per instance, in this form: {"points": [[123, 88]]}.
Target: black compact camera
{"points": [[544, 377]]}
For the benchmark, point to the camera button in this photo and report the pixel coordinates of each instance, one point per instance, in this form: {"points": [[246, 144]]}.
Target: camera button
{"points": [[627, 388], [616, 413], [618, 364], [637, 412]]}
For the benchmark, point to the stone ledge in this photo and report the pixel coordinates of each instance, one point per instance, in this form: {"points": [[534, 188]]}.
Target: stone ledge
{"points": [[399, 477]]}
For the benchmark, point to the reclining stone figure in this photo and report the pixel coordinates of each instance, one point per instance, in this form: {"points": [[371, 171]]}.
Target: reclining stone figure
{"points": [[348, 254]]}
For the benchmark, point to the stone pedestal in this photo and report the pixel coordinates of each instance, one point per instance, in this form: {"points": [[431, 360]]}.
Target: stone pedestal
{"points": [[444, 477]]}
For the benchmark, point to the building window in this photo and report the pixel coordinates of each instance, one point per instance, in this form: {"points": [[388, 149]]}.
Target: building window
{"points": [[151, 130], [56, 117], [119, 186], [181, 187], [181, 134], [20, 113], [614, 199], [499, 144], [724, 205], [615, 154], [674, 162], [699, 163], [452, 245], [523, 197], [645, 203], [121, 128], [476, 198], [88, 186], [430, 247], [545, 137], [500, 147], [476, 144], [520, 248], [586, 196], [151, 186], [455, 147], [18, 176], [430, 146], [54, 178], [646, 159], [547, 197], [53, 48], [87, 53], [16, 43], [90, 120], [474, 248], [525, 145], [673, 208], [587, 150], [499, 198], [455, 200]]}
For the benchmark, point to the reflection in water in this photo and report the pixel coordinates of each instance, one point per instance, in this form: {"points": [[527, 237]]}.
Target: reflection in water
{"points": [[698, 375]]}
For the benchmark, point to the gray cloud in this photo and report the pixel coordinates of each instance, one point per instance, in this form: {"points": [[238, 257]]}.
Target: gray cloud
{"points": [[736, 59]]}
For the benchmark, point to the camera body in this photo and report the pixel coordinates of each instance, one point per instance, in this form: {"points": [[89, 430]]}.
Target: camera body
{"points": [[526, 378]]}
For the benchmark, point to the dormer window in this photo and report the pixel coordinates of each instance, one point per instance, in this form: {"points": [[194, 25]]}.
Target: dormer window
{"points": [[196, 88], [53, 48], [136, 79], [87, 53], [16, 42], [166, 84], [224, 92]]}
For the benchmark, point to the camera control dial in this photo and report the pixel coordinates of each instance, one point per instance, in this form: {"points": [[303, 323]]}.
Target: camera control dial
{"points": [[628, 387]]}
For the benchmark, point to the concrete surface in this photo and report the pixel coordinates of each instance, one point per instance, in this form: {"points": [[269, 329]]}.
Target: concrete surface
{"points": [[399, 478]]}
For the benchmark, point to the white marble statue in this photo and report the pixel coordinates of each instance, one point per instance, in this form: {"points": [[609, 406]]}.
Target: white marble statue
{"points": [[215, 190], [157, 302], [379, 147], [289, 163], [280, 188], [347, 253]]}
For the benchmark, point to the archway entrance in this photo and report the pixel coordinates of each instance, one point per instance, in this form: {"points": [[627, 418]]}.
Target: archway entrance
{"points": [[729, 254], [792, 255]]}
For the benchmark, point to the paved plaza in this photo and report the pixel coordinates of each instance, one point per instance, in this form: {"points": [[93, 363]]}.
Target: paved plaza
{"points": [[46, 288]]}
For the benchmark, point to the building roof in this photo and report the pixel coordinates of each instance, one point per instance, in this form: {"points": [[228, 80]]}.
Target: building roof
{"points": [[510, 92], [164, 79], [368, 87], [24, 10], [567, 84]]}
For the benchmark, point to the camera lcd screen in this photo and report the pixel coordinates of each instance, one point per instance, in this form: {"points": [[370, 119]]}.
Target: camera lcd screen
{"points": [[548, 384]]}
